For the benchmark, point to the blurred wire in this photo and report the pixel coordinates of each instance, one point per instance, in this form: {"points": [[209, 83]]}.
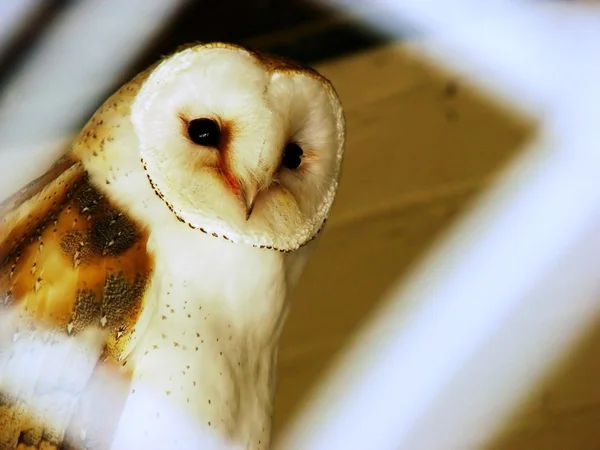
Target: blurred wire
{"points": [[82, 54], [14, 16]]}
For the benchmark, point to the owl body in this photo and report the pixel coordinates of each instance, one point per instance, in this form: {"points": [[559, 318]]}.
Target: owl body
{"points": [[178, 222]]}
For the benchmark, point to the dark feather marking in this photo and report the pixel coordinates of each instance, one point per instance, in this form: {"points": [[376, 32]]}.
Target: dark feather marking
{"points": [[117, 299], [112, 233], [31, 437], [87, 310]]}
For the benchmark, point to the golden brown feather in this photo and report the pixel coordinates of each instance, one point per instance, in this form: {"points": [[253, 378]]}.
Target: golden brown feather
{"points": [[69, 259]]}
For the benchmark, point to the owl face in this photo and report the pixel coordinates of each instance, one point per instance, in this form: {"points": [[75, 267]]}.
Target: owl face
{"points": [[241, 146]]}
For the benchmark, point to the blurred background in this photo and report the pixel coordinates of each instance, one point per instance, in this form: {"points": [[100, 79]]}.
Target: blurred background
{"points": [[422, 144]]}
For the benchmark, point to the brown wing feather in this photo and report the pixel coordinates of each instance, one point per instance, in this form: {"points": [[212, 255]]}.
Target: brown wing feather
{"points": [[33, 188], [69, 259]]}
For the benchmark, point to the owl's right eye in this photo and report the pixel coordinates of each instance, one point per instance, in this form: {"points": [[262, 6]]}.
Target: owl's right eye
{"points": [[205, 132]]}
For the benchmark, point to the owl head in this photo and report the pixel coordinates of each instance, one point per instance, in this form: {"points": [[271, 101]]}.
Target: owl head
{"points": [[241, 145]]}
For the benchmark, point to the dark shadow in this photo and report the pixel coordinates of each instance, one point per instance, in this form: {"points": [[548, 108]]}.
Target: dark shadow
{"points": [[297, 29], [28, 35]]}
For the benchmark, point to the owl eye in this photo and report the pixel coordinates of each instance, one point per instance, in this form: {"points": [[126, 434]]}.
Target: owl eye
{"points": [[292, 156], [204, 132]]}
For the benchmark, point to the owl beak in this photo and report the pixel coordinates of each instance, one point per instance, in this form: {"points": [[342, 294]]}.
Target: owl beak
{"points": [[245, 191], [249, 194]]}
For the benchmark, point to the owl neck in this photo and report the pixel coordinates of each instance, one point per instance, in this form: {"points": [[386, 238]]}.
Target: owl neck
{"points": [[206, 340], [211, 342]]}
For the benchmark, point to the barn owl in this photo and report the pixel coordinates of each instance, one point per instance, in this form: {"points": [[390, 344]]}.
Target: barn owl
{"points": [[177, 222]]}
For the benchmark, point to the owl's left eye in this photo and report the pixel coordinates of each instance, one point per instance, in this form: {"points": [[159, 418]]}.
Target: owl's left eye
{"points": [[292, 156], [205, 132]]}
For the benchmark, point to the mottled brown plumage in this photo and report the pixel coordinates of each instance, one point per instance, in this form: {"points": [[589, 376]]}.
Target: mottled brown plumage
{"points": [[70, 259]]}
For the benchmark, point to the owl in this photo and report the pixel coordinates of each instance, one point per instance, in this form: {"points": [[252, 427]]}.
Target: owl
{"points": [[177, 223]]}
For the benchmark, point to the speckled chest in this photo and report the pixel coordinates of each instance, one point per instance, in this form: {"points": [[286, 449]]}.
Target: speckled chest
{"points": [[212, 334]]}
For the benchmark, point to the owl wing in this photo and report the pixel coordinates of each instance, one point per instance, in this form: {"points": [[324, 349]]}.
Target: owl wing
{"points": [[70, 260]]}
